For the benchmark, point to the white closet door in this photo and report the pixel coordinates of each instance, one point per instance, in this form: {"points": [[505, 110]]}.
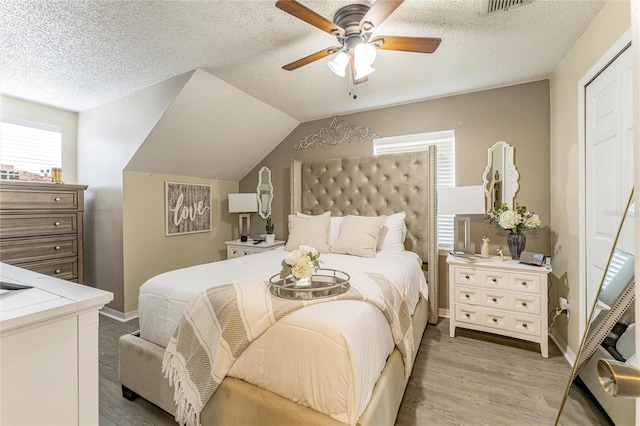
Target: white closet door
{"points": [[609, 164]]}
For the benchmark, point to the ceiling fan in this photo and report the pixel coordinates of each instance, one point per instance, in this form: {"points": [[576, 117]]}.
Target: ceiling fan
{"points": [[353, 26]]}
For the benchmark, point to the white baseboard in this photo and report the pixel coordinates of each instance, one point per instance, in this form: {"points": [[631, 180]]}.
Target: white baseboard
{"points": [[562, 345], [443, 313], [117, 315]]}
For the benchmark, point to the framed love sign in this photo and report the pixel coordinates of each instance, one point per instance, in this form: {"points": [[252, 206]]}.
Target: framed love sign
{"points": [[187, 208]]}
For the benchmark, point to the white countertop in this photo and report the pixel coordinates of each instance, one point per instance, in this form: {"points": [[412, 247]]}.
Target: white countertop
{"points": [[50, 297]]}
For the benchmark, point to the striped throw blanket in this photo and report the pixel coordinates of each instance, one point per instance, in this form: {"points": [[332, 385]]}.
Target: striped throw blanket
{"points": [[221, 322]]}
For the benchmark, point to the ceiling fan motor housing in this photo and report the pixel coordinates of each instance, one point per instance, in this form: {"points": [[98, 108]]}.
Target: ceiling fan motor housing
{"points": [[349, 18]]}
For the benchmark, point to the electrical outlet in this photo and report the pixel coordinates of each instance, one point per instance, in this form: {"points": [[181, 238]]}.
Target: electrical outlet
{"points": [[564, 303]]}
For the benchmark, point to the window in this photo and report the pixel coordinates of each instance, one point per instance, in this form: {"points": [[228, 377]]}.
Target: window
{"points": [[445, 141], [30, 147]]}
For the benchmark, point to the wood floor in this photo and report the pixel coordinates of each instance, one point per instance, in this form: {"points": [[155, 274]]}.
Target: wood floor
{"points": [[474, 379]]}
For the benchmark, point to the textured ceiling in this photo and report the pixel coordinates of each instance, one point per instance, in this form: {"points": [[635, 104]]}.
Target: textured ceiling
{"points": [[80, 54]]}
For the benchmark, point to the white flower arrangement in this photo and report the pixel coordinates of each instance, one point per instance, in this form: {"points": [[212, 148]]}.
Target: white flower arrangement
{"points": [[516, 221], [300, 263]]}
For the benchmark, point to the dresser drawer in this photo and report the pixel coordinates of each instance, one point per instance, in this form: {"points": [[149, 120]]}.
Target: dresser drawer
{"points": [[495, 299], [497, 319], [66, 269], [467, 295], [466, 276], [469, 313], [526, 282], [526, 303], [16, 199], [495, 279], [526, 325], [15, 225], [34, 249]]}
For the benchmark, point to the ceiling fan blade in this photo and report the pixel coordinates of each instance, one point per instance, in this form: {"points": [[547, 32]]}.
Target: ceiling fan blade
{"points": [[302, 12], [407, 44], [311, 58], [380, 11]]}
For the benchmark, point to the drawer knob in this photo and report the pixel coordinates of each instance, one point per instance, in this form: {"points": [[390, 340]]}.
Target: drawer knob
{"points": [[524, 283], [524, 325], [494, 299], [466, 295], [56, 199], [467, 315], [57, 248], [58, 271], [524, 304], [495, 280], [56, 224], [495, 319], [466, 276]]}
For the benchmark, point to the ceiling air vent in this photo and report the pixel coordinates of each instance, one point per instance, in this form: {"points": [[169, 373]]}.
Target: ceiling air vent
{"points": [[492, 6]]}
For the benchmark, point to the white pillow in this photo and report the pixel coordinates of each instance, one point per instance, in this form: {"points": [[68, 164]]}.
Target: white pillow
{"points": [[311, 231], [358, 235], [334, 228], [393, 233]]}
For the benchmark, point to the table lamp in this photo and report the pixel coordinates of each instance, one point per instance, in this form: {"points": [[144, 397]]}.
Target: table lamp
{"points": [[243, 204], [461, 201]]}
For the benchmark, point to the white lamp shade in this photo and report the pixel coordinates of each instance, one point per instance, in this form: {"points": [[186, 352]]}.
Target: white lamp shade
{"points": [[363, 71], [339, 64], [364, 54], [461, 200], [243, 203]]}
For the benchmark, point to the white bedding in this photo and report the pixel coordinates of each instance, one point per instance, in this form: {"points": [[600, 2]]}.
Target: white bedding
{"points": [[337, 360]]}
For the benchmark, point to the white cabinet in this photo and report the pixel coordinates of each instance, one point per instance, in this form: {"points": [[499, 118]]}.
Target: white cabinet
{"points": [[239, 249], [48, 350], [500, 297]]}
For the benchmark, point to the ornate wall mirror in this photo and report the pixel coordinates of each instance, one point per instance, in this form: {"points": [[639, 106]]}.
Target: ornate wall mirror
{"points": [[610, 336], [500, 178], [265, 192]]}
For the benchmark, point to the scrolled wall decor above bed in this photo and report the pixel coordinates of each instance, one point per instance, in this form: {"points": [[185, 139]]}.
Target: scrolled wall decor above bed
{"points": [[373, 186]]}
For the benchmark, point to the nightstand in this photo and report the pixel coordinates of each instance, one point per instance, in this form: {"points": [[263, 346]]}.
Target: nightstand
{"points": [[237, 248], [500, 297]]}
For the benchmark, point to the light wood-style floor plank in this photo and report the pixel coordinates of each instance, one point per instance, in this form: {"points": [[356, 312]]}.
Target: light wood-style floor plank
{"points": [[473, 379]]}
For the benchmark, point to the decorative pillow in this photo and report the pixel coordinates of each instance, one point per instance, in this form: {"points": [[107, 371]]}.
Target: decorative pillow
{"points": [[358, 236], [311, 231], [393, 233], [335, 226]]}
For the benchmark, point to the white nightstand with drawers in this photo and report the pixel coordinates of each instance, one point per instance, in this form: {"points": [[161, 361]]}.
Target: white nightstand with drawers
{"points": [[500, 297], [237, 248]]}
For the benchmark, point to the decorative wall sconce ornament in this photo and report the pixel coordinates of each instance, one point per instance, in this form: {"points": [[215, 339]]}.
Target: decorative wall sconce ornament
{"points": [[337, 133]]}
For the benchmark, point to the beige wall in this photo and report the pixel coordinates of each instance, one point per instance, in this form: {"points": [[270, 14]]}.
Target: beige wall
{"points": [[516, 114], [43, 114], [108, 136], [147, 251], [609, 25]]}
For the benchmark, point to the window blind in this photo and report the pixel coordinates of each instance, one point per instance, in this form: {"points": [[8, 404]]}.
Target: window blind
{"points": [[445, 143], [30, 146]]}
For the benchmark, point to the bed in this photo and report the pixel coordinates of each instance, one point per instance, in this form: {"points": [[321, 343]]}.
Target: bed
{"points": [[370, 379]]}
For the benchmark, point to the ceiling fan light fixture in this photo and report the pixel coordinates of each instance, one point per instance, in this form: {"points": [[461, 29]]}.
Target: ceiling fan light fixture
{"points": [[363, 71], [364, 53], [339, 64]]}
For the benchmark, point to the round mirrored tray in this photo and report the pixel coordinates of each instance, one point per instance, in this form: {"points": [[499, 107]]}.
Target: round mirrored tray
{"points": [[324, 283]]}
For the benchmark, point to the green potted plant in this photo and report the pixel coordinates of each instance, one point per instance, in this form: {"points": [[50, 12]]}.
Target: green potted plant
{"points": [[270, 227]]}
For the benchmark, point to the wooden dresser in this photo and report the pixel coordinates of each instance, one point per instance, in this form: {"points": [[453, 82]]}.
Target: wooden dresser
{"points": [[41, 227]]}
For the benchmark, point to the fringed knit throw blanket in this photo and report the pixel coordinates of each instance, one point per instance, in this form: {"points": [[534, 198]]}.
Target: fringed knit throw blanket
{"points": [[221, 322]]}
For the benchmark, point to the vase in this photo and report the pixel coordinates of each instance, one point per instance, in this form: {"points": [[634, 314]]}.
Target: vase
{"points": [[516, 242], [303, 282]]}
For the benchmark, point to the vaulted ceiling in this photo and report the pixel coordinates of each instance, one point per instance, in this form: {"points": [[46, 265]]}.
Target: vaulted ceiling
{"points": [[77, 55]]}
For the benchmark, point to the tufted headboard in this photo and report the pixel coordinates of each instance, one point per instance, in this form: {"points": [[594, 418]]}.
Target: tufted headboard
{"points": [[373, 186]]}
